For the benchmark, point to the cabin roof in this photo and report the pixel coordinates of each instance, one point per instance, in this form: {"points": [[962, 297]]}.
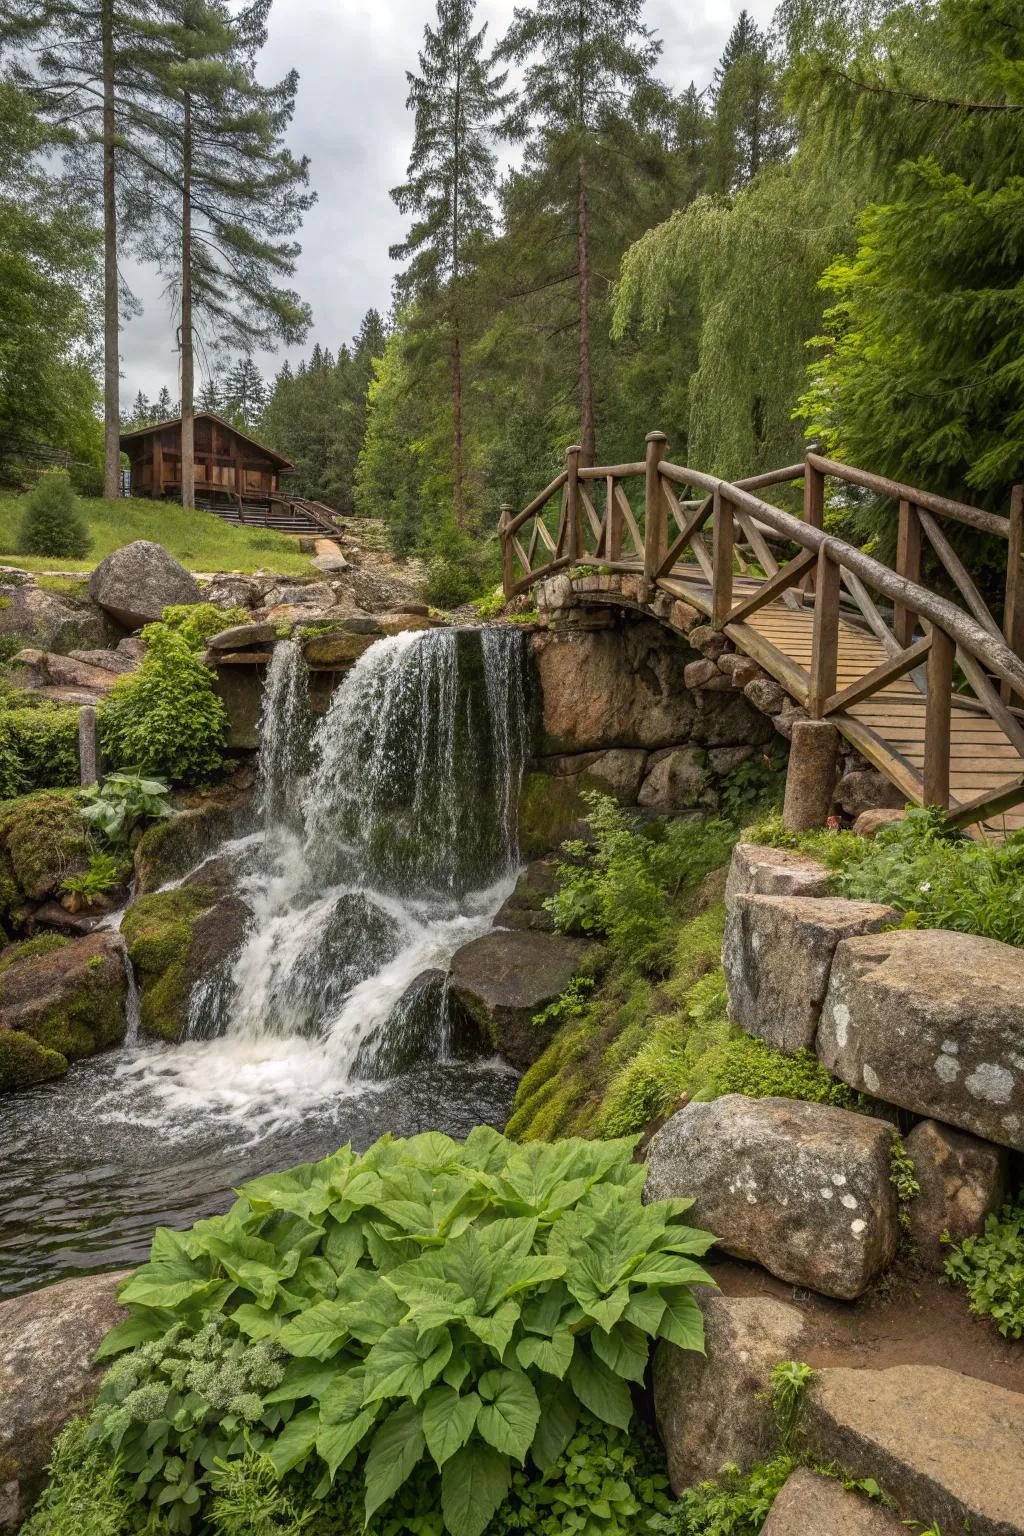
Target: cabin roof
{"points": [[161, 426]]}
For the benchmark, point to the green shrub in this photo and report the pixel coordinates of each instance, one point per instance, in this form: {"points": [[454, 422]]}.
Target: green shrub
{"points": [[991, 1269], [165, 720], [453, 1307], [88, 1493], [52, 522], [38, 748], [196, 622], [738, 1506]]}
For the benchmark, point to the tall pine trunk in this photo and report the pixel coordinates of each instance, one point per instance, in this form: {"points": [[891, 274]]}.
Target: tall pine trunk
{"points": [[460, 499], [111, 337], [586, 380], [188, 466]]}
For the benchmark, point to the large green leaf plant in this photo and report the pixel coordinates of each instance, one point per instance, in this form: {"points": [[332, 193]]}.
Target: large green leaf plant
{"points": [[462, 1305]]}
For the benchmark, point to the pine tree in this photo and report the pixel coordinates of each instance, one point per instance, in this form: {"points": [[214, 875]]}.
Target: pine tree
{"points": [[588, 69], [227, 241], [164, 409], [245, 394], [211, 395], [749, 127], [141, 411], [457, 99], [83, 67]]}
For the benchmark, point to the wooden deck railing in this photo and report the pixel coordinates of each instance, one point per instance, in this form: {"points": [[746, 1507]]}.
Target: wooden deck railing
{"points": [[915, 625]]}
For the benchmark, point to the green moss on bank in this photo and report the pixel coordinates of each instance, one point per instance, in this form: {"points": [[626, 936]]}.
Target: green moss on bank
{"points": [[24, 1062], [158, 931], [42, 840]]}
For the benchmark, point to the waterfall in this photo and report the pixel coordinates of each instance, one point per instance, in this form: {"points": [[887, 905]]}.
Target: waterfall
{"points": [[389, 840]]}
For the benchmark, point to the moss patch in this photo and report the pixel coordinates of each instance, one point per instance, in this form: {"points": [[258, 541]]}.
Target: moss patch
{"points": [[24, 1062], [159, 931], [68, 996], [44, 839], [550, 805], [45, 944]]}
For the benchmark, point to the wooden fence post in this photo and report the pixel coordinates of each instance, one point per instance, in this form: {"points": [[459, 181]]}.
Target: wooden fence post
{"points": [[612, 523], [88, 746], [655, 512], [825, 635], [814, 509], [908, 563], [722, 538], [938, 713], [508, 576], [573, 511], [1013, 609]]}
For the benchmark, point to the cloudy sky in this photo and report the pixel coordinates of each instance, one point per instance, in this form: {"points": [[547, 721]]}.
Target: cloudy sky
{"points": [[351, 121]]}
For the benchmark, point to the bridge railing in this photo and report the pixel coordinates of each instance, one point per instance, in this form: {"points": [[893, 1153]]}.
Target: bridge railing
{"points": [[728, 531]]}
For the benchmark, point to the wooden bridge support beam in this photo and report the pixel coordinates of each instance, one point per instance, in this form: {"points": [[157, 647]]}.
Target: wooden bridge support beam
{"points": [[508, 572], [811, 775], [574, 546], [655, 512]]}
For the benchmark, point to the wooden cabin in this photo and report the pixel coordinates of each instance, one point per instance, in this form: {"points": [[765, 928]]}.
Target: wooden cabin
{"points": [[230, 468]]}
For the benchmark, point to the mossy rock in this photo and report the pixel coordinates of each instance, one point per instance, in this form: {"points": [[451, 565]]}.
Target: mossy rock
{"points": [[67, 995], [169, 849], [174, 937], [551, 807], [44, 840], [24, 1062]]}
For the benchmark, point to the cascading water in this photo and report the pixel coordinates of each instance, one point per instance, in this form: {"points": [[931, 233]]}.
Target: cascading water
{"points": [[387, 838]]}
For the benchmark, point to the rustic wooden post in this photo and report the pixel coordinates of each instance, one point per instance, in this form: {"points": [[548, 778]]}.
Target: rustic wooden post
{"points": [[573, 508], [722, 538], [88, 746], [938, 715], [158, 467], [1013, 608], [612, 523], [508, 575], [814, 509], [908, 563], [655, 512], [825, 635]]}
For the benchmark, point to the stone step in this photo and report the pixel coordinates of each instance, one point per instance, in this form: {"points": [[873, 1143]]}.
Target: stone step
{"points": [[948, 1448]]}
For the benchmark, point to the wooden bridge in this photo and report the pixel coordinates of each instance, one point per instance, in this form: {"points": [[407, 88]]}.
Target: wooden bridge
{"points": [[927, 687]]}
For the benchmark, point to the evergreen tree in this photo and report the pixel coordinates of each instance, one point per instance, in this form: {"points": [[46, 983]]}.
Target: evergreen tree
{"points": [[587, 81], [227, 242], [211, 396], [85, 69], [141, 412], [164, 409], [749, 127], [245, 394], [456, 100], [52, 523]]}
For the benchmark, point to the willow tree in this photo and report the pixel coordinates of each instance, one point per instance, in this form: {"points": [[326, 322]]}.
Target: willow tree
{"points": [[83, 68], [225, 237], [580, 115], [457, 99]]}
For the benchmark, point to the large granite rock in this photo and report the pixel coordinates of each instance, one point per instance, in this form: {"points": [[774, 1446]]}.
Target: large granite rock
{"points": [[676, 780], [51, 620], [714, 1409], [47, 1341], [947, 1447], [812, 1505], [802, 1189], [60, 1000], [135, 583], [961, 1180], [932, 1021], [612, 688], [777, 954], [755, 870], [525, 907], [505, 978], [178, 937]]}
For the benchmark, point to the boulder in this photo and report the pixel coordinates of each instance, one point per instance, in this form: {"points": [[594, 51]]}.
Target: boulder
{"points": [[67, 997], [870, 823], [802, 1189], [505, 978], [709, 641], [632, 695], [54, 621], [932, 1021], [724, 761], [238, 636], [865, 789], [811, 1505], [117, 661], [170, 848], [675, 780], [42, 841], [766, 695], [525, 907], [777, 954], [714, 1410], [135, 583], [962, 1179], [308, 594], [728, 720], [683, 617], [47, 1375], [339, 649], [946, 1447], [235, 591], [176, 938], [68, 672], [704, 674], [755, 870]]}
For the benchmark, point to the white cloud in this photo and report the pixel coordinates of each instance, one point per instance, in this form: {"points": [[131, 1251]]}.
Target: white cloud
{"points": [[350, 119]]}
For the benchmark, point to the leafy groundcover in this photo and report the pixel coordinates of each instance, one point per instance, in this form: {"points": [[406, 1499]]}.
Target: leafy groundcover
{"points": [[431, 1311]]}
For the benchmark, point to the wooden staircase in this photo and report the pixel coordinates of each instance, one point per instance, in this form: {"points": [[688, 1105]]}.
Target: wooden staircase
{"points": [[283, 514]]}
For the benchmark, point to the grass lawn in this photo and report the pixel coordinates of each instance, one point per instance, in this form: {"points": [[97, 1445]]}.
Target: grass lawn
{"points": [[199, 540]]}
